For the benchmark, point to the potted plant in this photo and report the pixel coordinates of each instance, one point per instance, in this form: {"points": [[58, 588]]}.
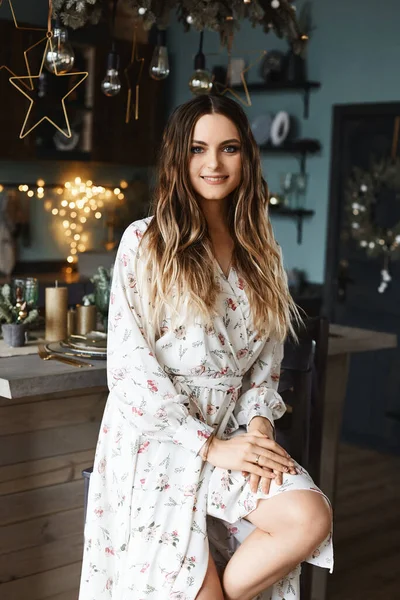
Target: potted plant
{"points": [[15, 317]]}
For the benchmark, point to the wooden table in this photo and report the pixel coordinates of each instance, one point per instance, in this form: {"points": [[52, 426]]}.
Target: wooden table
{"points": [[343, 342], [49, 421]]}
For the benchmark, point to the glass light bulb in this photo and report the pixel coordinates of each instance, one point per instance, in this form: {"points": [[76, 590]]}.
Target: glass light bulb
{"points": [[111, 85], [201, 82], [159, 65], [60, 56]]}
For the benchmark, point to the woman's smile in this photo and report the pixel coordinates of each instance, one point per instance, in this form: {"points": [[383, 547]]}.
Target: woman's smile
{"points": [[214, 179]]}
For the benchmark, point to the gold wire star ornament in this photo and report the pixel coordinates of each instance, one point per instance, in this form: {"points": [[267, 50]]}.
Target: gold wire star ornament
{"points": [[223, 89], [20, 28], [127, 72], [82, 75]]}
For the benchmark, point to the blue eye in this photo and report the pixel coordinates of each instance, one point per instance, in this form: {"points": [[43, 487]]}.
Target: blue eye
{"points": [[231, 149], [227, 149]]}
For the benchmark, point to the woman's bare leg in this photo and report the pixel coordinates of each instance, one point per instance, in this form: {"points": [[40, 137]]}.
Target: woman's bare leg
{"points": [[290, 527], [211, 588]]}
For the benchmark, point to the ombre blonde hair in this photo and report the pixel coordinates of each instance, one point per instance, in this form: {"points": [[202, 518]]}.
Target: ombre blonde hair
{"points": [[178, 255]]}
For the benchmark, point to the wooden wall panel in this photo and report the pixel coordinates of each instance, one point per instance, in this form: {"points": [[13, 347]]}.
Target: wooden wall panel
{"points": [[45, 442], [51, 413], [40, 473], [42, 585], [61, 440], [37, 559]]}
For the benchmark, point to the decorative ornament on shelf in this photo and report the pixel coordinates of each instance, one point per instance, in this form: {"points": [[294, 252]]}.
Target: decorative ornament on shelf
{"points": [[159, 64], [276, 15], [201, 80], [61, 57], [372, 203], [18, 83], [133, 75], [226, 88]]}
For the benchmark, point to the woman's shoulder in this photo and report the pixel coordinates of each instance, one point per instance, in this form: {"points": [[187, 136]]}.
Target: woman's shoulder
{"points": [[134, 233]]}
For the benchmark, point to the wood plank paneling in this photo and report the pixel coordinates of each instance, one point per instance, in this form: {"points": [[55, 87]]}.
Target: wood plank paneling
{"points": [[43, 585], [367, 526], [45, 442], [51, 413], [41, 473], [38, 559], [43, 501], [43, 530], [52, 396], [24, 447]]}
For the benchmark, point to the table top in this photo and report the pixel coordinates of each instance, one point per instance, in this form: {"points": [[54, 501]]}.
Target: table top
{"points": [[22, 376], [346, 340]]}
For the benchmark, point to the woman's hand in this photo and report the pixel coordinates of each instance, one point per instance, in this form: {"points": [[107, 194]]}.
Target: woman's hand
{"points": [[262, 426], [240, 452]]}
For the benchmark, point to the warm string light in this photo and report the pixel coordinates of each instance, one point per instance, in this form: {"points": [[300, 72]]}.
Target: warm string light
{"points": [[76, 203]]}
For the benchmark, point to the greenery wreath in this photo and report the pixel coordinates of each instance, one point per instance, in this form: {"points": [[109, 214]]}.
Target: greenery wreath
{"points": [[372, 205]]}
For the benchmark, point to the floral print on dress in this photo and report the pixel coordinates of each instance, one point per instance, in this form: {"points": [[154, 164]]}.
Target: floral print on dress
{"points": [[155, 508]]}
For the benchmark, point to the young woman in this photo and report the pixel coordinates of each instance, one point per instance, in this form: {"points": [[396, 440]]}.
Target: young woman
{"points": [[187, 493]]}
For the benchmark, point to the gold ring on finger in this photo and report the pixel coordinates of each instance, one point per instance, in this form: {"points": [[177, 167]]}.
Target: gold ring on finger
{"points": [[257, 459]]}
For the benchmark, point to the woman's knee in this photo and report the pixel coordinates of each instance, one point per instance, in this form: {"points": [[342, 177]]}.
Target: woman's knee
{"points": [[304, 511], [309, 512]]}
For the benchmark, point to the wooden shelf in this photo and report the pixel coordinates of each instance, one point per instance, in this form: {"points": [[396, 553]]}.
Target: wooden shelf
{"points": [[290, 212], [297, 213], [303, 87], [279, 86], [305, 146]]}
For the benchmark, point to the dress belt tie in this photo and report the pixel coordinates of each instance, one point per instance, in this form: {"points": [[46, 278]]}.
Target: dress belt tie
{"points": [[222, 384], [216, 383]]}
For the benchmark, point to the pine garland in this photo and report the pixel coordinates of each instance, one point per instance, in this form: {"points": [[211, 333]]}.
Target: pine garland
{"points": [[223, 16]]}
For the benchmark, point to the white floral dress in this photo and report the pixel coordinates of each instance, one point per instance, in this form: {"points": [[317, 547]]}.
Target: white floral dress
{"points": [[155, 508]]}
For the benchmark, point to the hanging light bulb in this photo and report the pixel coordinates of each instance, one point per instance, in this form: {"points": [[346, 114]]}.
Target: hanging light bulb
{"points": [[159, 65], [111, 84], [201, 80], [60, 56]]}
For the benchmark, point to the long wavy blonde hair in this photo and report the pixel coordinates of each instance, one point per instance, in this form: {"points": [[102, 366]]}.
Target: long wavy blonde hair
{"points": [[178, 252]]}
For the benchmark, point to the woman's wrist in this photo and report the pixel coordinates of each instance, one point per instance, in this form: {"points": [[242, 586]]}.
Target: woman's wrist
{"points": [[205, 449], [262, 424]]}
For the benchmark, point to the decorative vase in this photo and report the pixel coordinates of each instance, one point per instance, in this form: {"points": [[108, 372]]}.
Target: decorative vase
{"points": [[295, 68], [14, 334]]}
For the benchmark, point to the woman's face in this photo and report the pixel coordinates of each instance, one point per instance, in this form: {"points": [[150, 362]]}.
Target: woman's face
{"points": [[215, 167]]}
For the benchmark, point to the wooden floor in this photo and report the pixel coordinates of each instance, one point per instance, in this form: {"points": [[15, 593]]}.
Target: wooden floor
{"points": [[366, 527]]}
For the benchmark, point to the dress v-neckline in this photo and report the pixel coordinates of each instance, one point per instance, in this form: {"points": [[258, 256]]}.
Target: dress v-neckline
{"points": [[231, 268]]}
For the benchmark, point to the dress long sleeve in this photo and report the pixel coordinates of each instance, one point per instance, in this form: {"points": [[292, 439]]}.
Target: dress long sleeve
{"points": [[259, 397], [136, 380]]}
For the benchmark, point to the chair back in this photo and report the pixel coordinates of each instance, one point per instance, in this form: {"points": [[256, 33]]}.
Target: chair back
{"points": [[301, 387]]}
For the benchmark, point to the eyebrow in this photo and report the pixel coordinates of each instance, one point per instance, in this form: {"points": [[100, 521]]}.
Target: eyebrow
{"points": [[233, 140]]}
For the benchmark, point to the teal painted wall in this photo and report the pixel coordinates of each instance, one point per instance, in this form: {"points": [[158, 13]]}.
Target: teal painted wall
{"points": [[354, 52]]}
